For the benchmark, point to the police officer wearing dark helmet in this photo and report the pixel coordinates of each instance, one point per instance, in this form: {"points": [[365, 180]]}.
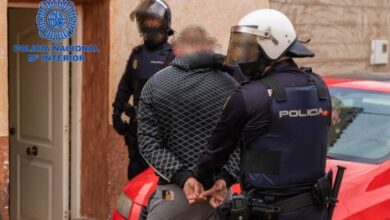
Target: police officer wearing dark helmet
{"points": [[281, 118], [153, 18]]}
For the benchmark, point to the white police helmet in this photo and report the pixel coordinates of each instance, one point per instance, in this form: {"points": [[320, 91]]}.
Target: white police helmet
{"points": [[266, 31]]}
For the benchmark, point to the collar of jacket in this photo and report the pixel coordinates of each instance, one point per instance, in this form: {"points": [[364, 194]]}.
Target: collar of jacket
{"points": [[199, 60], [284, 66], [164, 46]]}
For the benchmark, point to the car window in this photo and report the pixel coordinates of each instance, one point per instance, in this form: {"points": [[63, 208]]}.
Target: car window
{"points": [[360, 130]]}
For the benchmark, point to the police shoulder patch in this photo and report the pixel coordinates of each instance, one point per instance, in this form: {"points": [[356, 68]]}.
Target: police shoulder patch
{"points": [[135, 64]]}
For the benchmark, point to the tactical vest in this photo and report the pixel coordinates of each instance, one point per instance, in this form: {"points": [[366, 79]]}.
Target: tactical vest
{"points": [[293, 151], [145, 64]]}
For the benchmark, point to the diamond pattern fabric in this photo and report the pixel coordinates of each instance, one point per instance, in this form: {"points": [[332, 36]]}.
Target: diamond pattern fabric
{"points": [[178, 111]]}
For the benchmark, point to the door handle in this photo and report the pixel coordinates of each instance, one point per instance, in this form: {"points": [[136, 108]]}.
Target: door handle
{"points": [[32, 151]]}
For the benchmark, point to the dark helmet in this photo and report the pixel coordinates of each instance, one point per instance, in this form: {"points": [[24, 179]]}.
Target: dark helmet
{"points": [[154, 9]]}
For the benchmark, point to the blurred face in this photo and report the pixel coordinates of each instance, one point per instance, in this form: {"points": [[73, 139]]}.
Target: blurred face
{"points": [[182, 49], [152, 30], [152, 22], [192, 41]]}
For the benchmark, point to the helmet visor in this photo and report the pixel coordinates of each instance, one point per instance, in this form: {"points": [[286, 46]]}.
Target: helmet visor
{"points": [[243, 48], [149, 8]]}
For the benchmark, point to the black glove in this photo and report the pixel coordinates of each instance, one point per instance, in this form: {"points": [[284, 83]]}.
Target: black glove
{"points": [[120, 126], [130, 111], [131, 136]]}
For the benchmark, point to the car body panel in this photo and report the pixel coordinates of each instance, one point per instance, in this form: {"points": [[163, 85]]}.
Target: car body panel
{"points": [[332, 81], [361, 192], [142, 187], [365, 190], [136, 211], [365, 85]]}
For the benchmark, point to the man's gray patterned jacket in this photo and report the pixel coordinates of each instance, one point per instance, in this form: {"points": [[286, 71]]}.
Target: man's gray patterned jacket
{"points": [[178, 111]]}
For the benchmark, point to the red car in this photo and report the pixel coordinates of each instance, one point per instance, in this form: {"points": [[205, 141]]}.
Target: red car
{"points": [[358, 140]]}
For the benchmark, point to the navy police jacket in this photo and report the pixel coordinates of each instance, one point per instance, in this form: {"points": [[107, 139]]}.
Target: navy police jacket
{"points": [[282, 123], [142, 65]]}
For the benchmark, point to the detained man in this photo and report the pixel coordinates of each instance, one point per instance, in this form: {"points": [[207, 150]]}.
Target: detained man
{"points": [[178, 110]]}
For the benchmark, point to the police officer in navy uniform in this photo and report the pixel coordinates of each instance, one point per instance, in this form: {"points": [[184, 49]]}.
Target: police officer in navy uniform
{"points": [[153, 18], [281, 118]]}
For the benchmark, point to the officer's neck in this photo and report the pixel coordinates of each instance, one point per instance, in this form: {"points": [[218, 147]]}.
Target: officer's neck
{"points": [[155, 44], [154, 47], [268, 68]]}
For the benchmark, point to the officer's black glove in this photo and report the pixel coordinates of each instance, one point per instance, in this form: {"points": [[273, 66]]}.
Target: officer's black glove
{"points": [[131, 136], [120, 126], [130, 111]]}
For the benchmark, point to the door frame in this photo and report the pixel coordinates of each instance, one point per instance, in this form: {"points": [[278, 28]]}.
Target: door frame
{"points": [[76, 112], [75, 116]]}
